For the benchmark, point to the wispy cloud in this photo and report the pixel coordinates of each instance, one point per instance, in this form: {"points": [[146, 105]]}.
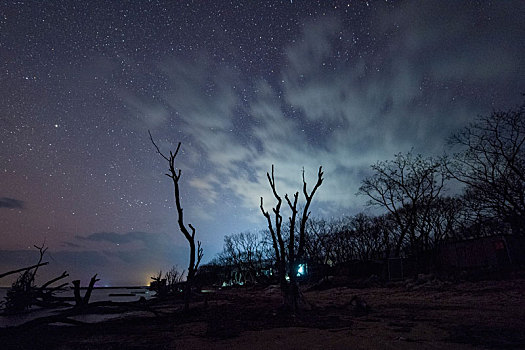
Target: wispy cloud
{"points": [[407, 89], [129, 257], [112, 237], [11, 203]]}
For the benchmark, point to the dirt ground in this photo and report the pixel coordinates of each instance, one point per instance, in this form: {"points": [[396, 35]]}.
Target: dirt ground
{"points": [[466, 315]]}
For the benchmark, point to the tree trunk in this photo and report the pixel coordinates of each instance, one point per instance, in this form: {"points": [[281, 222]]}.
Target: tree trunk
{"points": [[79, 301]]}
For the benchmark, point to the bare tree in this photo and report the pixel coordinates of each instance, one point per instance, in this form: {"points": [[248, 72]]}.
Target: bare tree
{"points": [[367, 236], [492, 165], [443, 219], [246, 253], [342, 245], [360, 237], [319, 241], [173, 279], [168, 283], [384, 226], [196, 251], [288, 257], [406, 187]]}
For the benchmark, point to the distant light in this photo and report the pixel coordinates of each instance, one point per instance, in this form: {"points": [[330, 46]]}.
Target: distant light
{"points": [[301, 270]]}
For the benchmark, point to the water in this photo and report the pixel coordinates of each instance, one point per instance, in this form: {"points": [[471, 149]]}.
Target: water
{"points": [[96, 295]]}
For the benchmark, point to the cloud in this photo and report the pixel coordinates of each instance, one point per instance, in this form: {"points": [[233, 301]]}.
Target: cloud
{"points": [[71, 245], [17, 258], [150, 112], [458, 40], [112, 237], [134, 254], [90, 260], [128, 258], [401, 87], [206, 186], [154, 245], [139, 242], [79, 264], [11, 203]]}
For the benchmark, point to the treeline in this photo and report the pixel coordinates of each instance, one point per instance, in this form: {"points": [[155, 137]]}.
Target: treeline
{"points": [[477, 190]]}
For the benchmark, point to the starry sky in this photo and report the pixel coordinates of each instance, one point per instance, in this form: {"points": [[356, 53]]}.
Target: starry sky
{"points": [[243, 85]]}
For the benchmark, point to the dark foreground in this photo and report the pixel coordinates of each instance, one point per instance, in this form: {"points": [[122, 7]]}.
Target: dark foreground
{"points": [[432, 315]]}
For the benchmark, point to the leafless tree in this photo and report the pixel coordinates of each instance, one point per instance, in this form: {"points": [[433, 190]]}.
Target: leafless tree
{"points": [[168, 283], [444, 218], [406, 187], [385, 227], [492, 165], [288, 257], [342, 242], [367, 237], [196, 251], [173, 279], [319, 241], [246, 253]]}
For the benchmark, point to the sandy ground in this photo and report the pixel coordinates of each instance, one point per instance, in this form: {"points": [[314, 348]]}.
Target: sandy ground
{"points": [[468, 315]]}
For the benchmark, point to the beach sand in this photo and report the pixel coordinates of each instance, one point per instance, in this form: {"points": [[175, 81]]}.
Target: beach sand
{"points": [[466, 315]]}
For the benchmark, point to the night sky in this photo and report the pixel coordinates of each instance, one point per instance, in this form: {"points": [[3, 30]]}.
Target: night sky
{"points": [[243, 85]]}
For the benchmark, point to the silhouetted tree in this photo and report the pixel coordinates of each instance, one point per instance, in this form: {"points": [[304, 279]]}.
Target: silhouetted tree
{"points": [[168, 283], [406, 187], [173, 279], [320, 241], [196, 251], [288, 257], [367, 238], [444, 218], [492, 165], [384, 226], [342, 242], [245, 252]]}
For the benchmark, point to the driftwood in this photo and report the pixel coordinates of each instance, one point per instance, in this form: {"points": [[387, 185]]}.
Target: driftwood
{"points": [[46, 294], [22, 269], [43, 296], [24, 293], [54, 289], [79, 301], [98, 307], [62, 276]]}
